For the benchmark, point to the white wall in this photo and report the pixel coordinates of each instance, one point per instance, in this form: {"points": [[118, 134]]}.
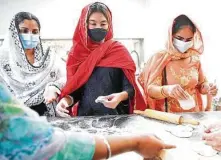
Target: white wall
{"points": [[132, 19], [59, 17], [205, 13]]}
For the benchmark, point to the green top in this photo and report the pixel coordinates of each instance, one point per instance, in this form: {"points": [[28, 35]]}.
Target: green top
{"points": [[24, 135]]}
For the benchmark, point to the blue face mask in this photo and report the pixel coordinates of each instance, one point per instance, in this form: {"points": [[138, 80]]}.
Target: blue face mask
{"points": [[29, 41]]}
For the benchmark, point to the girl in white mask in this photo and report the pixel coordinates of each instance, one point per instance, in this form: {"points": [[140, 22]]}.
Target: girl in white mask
{"points": [[173, 79], [31, 74]]}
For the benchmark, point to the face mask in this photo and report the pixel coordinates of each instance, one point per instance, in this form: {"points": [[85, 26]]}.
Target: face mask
{"points": [[97, 34], [29, 41], [181, 45]]}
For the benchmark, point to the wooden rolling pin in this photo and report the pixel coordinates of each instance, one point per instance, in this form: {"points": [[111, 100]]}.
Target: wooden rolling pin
{"points": [[168, 117]]}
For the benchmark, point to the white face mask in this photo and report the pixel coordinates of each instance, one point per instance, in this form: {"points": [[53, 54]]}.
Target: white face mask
{"points": [[181, 45]]}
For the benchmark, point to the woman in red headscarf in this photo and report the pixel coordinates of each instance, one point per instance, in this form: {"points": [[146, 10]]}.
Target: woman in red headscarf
{"points": [[100, 71]]}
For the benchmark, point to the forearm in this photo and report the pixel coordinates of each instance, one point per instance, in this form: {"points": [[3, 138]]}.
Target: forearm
{"points": [[118, 145], [157, 92], [62, 74], [60, 83], [209, 102], [123, 96]]}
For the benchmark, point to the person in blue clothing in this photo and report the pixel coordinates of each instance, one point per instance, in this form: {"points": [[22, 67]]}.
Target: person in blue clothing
{"points": [[24, 135]]}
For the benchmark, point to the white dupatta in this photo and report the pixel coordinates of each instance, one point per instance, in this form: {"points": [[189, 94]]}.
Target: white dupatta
{"points": [[26, 81]]}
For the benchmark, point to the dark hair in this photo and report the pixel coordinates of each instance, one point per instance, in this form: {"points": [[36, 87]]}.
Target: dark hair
{"points": [[182, 21], [98, 7], [21, 16]]}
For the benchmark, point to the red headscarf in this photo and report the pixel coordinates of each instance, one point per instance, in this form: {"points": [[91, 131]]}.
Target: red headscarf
{"points": [[85, 55]]}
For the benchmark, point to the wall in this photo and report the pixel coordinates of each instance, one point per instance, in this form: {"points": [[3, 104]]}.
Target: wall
{"points": [[149, 19], [59, 17], [205, 13]]}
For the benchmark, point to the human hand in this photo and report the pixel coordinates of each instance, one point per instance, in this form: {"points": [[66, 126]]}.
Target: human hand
{"points": [[61, 108], [51, 94], [150, 146], [110, 101], [175, 91], [213, 127], [213, 139], [213, 90]]}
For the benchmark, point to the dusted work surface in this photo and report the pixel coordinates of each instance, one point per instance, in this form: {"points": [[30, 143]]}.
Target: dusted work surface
{"points": [[134, 124]]}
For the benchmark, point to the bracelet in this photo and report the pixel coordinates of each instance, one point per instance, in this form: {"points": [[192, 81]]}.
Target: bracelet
{"points": [[108, 147], [162, 92], [53, 84], [72, 100]]}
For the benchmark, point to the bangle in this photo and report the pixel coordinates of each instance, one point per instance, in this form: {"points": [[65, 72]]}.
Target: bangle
{"points": [[53, 84], [162, 92], [108, 148], [72, 100]]}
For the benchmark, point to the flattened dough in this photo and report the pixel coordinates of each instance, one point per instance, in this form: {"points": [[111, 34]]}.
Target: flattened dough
{"points": [[181, 131], [204, 150]]}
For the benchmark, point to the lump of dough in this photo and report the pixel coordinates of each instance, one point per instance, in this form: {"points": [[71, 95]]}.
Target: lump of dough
{"points": [[100, 99]]}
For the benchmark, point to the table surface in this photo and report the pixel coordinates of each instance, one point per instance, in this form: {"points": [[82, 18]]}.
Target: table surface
{"points": [[136, 124]]}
